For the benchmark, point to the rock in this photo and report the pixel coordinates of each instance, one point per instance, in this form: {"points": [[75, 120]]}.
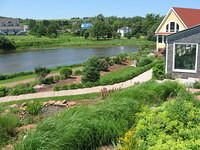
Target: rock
{"points": [[23, 104], [14, 106], [60, 104], [72, 103], [51, 102], [64, 101]]}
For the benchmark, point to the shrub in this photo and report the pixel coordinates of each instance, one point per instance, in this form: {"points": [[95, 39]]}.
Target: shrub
{"points": [[82, 128], [109, 60], [41, 72], [174, 125], [2, 77], [8, 123], [91, 72], [34, 108], [111, 78], [56, 78], [49, 80], [3, 91], [6, 44], [103, 65], [19, 91], [9, 76], [65, 72], [144, 61], [119, 59], [159, 71], [196, 85], [78, 72]]}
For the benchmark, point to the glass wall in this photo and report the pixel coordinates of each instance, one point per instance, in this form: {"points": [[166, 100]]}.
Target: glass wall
{"points": [[185, 56]]}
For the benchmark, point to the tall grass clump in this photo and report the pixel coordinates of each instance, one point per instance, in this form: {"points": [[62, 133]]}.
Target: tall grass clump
{"points": [[8, 124], [34, 108], [82, 127]]}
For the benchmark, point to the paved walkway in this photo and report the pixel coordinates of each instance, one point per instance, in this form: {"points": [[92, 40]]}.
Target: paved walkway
{"points": [[146, 76]]}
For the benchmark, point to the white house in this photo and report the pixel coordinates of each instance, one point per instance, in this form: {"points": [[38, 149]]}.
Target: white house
{"points": [[124, 30]]}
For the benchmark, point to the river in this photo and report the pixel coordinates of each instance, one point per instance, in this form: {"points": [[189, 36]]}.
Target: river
{"points": [[26, 61]]}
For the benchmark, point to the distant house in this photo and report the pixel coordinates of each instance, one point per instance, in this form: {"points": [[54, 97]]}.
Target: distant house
{"points": [[85, 26], [176, 20], [124, 30], [10, 26], [183, 53]]}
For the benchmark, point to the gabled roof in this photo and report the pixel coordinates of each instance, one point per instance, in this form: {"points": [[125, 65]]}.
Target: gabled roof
{"points": [[191, 17], [188, 16]]}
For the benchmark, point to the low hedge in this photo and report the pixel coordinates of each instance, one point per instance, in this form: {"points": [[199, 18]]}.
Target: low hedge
{"points": [[121, 75], [18, 89], [14, 75]]}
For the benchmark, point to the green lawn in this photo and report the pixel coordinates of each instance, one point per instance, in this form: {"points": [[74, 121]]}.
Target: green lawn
{"points": [[27, 42]]}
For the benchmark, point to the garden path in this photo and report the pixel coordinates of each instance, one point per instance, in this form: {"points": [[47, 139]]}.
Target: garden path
{"points": [[144, 77]]}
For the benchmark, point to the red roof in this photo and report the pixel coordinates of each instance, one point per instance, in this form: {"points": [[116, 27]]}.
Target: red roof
{"points": [[191, 17]]}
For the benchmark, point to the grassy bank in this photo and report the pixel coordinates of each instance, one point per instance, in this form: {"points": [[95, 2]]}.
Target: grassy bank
{"points": [[29, 42], [83, 128]]}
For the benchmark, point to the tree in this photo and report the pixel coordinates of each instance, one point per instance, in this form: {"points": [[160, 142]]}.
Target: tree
{"points": [[52, 30], [91, 72], [65, 72], [128, 35], [6, 44], [86, 34], [41, 73], [101, 28]]}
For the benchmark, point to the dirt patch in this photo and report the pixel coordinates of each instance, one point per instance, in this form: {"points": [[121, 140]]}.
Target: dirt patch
{"points": [[117, 67], [71, 80]]}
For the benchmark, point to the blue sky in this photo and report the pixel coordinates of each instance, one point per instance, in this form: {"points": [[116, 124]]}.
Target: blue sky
{"points": [[59, 9]]}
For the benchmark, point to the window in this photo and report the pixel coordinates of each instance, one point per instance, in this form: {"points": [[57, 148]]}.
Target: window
{"points": [[167, 28], [185, 56], [177, 27], [160, 39], [172, 26], [165, 39]]}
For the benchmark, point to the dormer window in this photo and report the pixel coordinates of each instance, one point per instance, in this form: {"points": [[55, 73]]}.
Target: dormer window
{"points": [[172, 27]]}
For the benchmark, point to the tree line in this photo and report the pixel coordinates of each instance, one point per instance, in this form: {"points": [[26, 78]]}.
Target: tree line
{"points": [[103, 27]]}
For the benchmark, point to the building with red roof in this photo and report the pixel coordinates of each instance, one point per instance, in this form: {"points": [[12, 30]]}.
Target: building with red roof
{"points": [[177, 19]]}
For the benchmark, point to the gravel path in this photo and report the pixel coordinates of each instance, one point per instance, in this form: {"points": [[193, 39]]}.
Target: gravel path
{"points": [[146, 76]]}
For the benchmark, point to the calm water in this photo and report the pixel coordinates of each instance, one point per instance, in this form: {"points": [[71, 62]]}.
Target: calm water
{"points": [[17, 62]]}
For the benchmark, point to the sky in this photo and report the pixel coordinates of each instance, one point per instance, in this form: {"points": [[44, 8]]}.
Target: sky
{"points": [[65, 9]]}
